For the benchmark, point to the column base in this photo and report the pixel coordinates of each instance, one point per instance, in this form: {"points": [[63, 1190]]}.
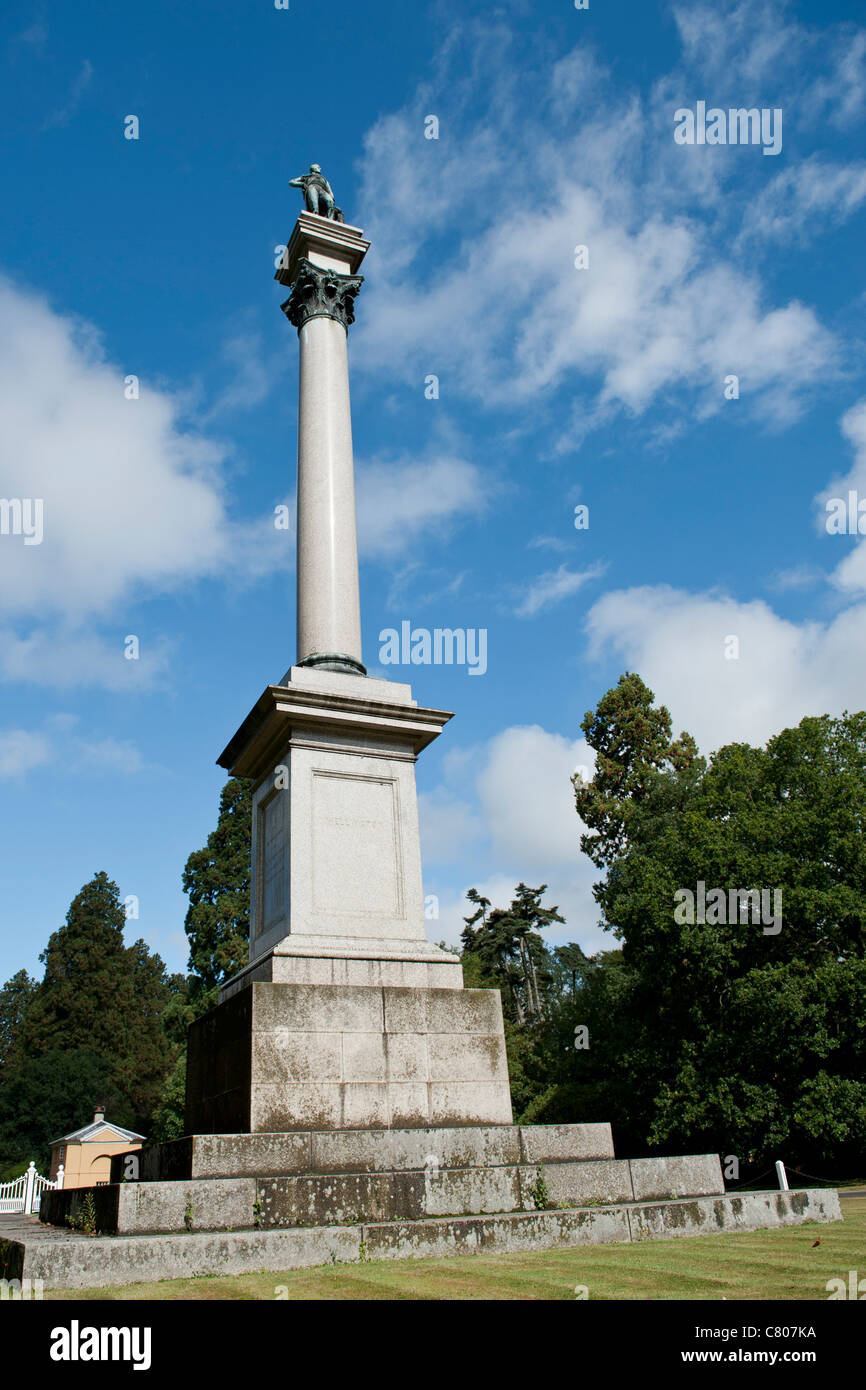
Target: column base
{"points": [[335, 661], [306, 961]]}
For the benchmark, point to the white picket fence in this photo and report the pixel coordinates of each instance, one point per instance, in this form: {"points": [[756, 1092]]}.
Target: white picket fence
{"points": [[25, 1193]]}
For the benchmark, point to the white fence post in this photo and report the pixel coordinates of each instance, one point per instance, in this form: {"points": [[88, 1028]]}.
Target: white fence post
{"points": [[781, 1175], [24, 1194], [29, 1190]]}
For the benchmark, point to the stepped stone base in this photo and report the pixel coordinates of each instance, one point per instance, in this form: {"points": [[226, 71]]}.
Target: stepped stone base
{"points": [[402, 1193], [366, 1151], [231, 1203], [63, 1260]]}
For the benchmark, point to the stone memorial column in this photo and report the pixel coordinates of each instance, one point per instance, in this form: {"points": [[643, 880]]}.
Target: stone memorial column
{"points": [[346, 1016], [321, 306]]}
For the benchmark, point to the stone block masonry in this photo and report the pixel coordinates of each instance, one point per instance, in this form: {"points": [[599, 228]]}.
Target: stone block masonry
{"points": [[66, 1261], [313, 1057]]}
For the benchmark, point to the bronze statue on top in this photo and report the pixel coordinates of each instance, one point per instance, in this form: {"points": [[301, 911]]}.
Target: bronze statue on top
{"points": [[318, 195]]}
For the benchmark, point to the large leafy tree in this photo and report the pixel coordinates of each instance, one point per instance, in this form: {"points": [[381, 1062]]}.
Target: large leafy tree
{"points": [[217, 880], [732, 1036]]}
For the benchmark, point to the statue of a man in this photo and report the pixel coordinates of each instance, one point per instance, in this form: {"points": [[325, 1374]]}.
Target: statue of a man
{"points": [[318, 196]]}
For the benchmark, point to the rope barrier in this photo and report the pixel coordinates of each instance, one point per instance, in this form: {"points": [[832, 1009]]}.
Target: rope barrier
{"points": [[752, 1181], [792, 1173]]}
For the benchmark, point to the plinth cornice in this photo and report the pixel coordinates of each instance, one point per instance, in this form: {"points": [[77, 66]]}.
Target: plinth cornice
{"points": [[283, 712]]}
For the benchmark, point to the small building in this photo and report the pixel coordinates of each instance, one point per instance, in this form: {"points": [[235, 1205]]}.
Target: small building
{"points": [[86, 1153]]}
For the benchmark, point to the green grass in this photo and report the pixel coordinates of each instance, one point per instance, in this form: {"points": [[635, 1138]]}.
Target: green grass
{"points": [[780, 1264]]}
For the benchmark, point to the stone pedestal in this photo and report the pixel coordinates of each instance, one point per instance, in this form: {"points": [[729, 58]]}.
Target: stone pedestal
{"points": [[336, 892], [277, 1058], [346, 1016]]}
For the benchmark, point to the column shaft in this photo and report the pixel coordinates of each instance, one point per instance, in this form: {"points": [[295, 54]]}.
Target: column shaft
{"points": [[329, 613]]}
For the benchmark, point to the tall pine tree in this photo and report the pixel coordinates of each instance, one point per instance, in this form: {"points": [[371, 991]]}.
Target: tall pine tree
{"points": [[104, 999], [15, 997], [85, 1000]]}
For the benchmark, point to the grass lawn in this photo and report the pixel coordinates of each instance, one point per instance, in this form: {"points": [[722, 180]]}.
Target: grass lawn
{"points": [[780, 1264]]}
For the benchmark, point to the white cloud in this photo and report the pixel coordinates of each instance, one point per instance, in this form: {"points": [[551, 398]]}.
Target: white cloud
{"points": [[133, 502], [796, 577], [56, 656], [35, 35], [119, 757], [63, 114], [747, 42], [677, 642], [508, 805], [251, 377], [552, 587], [842, 90], [21, 752], [402, 502], [550, 543], [130, 501], [849, 576], [662, 311], [805, 201], [754, 53]]}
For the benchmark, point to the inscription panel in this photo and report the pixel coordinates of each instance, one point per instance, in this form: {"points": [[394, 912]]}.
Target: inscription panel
{"points": [[357, 866], [273, 857]]}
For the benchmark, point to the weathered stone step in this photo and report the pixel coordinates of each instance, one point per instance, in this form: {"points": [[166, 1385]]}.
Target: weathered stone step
{"points": [[364, 1151], [76, 1262], [412, 1196], [217, 1204], [135, 1208]]}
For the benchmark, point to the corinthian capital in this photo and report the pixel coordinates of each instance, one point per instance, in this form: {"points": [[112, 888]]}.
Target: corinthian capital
{"points": [[319, 293]]}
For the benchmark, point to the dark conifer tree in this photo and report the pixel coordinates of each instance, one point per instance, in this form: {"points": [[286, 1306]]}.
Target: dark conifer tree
{"points": [[217, 880]]}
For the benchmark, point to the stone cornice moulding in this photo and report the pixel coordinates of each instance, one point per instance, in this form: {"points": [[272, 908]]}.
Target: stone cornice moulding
{"points": [[280, 711], [329, 245]]}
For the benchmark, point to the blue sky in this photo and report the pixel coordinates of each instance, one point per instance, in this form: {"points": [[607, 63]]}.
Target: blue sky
{"points": [[558, 386]]}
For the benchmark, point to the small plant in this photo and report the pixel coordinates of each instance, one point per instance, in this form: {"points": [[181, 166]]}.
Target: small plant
{"points": [[257, 1216], [539, 1194], [187, 1214], [363, 1252], [84, 1219]]}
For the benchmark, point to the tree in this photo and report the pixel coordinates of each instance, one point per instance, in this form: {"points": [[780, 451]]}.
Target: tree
{"points": [[15, 998], [217, 880], [572, 959], [52, 1095], [85, 1000], [150, 1053], [103, 1001], [509, 950], [632, 742], [735, 1037], [169, 1114]]}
